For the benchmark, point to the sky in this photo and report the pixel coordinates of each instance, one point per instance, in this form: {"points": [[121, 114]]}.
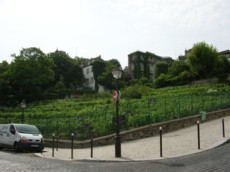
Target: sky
{"points": [[112, 28]]}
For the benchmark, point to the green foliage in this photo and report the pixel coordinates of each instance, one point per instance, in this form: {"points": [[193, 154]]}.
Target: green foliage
{"points": [[67, 70], [222, 69], [4, 82], [162, 80], [202, 60], [141, 65], [103, 72], [160, 68], [136, 92], [95, 113], [144, 82], [30, 73], [177, 68]]}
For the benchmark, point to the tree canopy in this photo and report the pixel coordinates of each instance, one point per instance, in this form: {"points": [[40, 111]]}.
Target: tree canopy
{"points": [[30, 72], [203, 60], [67, 70]]}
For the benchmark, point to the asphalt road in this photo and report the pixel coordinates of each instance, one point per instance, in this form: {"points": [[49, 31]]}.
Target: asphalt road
{"points": [[216, 160]]}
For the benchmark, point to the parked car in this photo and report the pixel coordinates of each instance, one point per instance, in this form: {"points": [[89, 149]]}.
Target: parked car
{"points": [[20, 137]]}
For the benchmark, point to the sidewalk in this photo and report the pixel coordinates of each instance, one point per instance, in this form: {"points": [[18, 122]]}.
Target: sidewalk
{"points": [[177, 143]]}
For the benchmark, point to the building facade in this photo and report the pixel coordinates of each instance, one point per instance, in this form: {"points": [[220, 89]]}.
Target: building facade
{"points": [[90, 82], [89, 77], [142, 64]]}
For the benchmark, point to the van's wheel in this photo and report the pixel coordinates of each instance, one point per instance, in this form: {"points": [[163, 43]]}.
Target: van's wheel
{"points": [[16, 149]]}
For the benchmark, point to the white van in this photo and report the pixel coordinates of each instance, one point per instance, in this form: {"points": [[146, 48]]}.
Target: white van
{"points": [[20, 137]]}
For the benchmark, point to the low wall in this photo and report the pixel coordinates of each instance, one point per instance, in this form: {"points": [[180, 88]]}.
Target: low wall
{"points": [[142, 132]]}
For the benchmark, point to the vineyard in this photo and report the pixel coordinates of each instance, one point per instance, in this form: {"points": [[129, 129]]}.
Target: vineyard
{"points": [[86, 116]]}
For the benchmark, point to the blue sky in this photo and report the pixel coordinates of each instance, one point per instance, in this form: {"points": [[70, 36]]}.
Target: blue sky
{"points": [[112, 28]]}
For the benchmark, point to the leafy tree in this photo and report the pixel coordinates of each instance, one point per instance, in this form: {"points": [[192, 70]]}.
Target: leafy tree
{"points": [[222, 69], [177, 67], [99, 66], [67, 68], [202, 60], [178, 74], [30, 73], [103, 72], [80, 60], [74, 78], [5, 88]]}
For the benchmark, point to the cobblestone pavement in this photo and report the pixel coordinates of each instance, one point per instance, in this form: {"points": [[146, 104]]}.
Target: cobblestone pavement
{"points": [[27, 162], [216, 160], [178, 143]]}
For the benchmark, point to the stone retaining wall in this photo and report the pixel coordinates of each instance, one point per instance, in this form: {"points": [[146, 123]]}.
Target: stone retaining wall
{"points": [[142, 132]]}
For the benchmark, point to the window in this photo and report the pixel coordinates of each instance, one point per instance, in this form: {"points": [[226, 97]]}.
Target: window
{"points": [[12, 129], [87, 82], [142, 67], [91, 80], [87, 71]]}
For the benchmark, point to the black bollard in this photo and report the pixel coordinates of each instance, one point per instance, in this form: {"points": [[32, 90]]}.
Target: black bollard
{"points": [[53, 146], [198, 133], [91, 147], [72, 134], [223, 127], [160, 129]]}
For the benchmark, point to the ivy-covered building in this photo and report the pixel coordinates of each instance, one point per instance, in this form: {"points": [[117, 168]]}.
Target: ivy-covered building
{"points": [[142, 64]]}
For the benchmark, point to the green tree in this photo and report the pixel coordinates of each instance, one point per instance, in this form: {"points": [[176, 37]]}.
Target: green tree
{"points": [[99, 66], [203, 60], [222, 69], [5, 88], [30, 73], [67, 68], [103, 72]]}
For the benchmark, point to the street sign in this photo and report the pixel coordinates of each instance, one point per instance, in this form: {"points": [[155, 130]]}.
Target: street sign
{"points": [[115, 96]]}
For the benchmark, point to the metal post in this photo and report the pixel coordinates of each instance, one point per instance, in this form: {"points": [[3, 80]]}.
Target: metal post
{"points": [[53, 146], [118, 139], [117, 72], [161, 154], [223, 127], [198, 133], [91, 147], [57, 144], [72, 134], [23, 106], [22, 115]]}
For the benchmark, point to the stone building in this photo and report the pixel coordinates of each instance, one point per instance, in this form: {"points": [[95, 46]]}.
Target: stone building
{"points": [[142, 64]]}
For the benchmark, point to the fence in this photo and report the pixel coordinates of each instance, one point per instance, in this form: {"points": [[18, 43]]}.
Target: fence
{"points": [[135, 113]]}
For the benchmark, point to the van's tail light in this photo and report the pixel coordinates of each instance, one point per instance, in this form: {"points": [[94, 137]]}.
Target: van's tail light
{"points": [[23, 139]]}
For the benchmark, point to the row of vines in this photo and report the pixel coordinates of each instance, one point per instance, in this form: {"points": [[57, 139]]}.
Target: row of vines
{"points": [[96, 116]]}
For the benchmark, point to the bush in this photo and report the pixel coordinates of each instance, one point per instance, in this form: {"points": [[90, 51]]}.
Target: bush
{"points": [[162, 81], [136, 92]]}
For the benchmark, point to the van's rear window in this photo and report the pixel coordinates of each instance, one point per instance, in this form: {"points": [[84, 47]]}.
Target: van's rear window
{"points": [[28, 129]]}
